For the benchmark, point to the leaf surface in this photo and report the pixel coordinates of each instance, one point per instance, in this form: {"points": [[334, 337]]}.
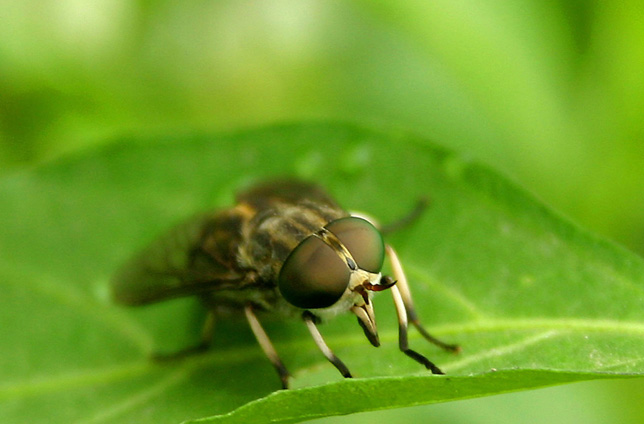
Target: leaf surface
{"points": [[532, 299]]}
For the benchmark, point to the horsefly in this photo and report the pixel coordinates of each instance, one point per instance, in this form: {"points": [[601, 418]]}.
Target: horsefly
{"points": [[287, 249]]}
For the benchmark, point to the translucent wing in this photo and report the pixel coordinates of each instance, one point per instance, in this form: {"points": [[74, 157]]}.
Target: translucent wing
{"points": [[263, 196], [200, 255], [195, 257]]}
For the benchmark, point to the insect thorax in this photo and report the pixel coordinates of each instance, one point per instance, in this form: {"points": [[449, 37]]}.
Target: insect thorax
{"points": [[271, 235]]}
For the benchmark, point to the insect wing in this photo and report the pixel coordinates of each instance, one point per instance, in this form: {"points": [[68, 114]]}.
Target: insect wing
{"points": [[264, 196], [175, 265]]}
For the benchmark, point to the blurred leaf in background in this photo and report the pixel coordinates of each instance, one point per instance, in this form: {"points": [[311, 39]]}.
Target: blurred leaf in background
{"points": [[552, 93]]}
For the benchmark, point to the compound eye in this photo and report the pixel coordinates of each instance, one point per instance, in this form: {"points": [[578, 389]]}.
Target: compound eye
{"points": [[313, 275], [363, 241]]}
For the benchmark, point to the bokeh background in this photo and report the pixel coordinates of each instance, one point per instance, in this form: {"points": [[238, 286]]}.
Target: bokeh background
{"points": [[550, 93]]}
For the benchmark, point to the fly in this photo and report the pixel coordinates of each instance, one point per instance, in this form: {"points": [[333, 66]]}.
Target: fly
{"points": [[287, 248]]}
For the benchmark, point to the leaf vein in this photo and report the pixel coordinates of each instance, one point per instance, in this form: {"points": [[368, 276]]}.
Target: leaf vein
{"points": [[500, 350], [134, 400]]}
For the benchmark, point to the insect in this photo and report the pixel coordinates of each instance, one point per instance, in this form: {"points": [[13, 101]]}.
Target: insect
{"points": [[286, 248]]}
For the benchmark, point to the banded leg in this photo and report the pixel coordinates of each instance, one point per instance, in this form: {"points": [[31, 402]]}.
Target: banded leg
{"points": [[204, 344], [405, 294], [266, 345], [402, 334], [309, 319]]}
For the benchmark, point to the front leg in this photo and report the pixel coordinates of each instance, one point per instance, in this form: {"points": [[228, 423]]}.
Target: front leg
{"points": [[402, 334], [310, 321], [408, 304]]}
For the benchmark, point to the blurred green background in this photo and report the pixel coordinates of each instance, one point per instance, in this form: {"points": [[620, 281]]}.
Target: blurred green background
{"points": [[550, 93]]}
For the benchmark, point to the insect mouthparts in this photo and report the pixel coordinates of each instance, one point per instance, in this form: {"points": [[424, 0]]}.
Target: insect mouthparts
{"points": [[385, 283]]}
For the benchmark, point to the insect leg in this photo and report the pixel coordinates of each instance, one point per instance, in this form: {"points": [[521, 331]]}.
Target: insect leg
{"points": [[206, 340], [405, 294], [402, 334], [310, 319], [266, 345], [208, 330], [404, 221]]}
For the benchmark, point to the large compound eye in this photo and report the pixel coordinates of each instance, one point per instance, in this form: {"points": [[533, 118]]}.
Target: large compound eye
{"points": [[362, 240], [313, 275]]}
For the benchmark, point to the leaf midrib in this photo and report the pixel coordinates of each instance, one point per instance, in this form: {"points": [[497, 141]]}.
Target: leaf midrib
{"points": [[549, 327]]}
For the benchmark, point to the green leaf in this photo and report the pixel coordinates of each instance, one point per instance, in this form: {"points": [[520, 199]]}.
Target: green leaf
{"points": [[351, 396], [532, 299]]}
